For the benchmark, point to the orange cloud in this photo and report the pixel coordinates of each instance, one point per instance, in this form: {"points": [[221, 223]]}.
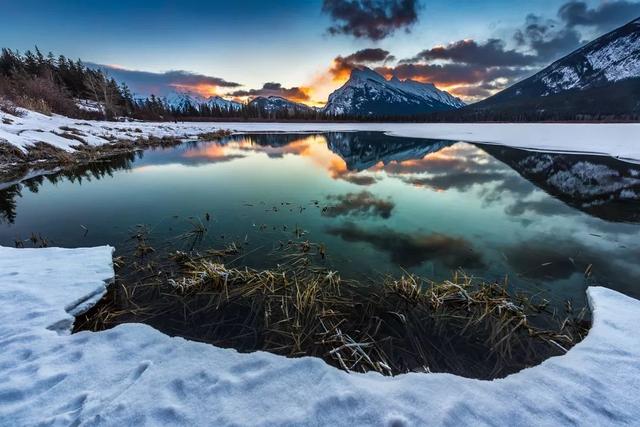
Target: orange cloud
{"points": [[203, 89]]}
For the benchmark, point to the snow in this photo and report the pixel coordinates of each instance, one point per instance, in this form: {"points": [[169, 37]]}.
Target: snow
{"points": [[365, 84], [563, 78], [619, 58], [618, 140], [182, 100], [135, 375]]}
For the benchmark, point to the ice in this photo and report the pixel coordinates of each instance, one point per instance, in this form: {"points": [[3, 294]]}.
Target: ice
{"points": [[135, 375]]}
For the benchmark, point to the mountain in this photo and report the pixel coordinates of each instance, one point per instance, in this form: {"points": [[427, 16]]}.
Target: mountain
{"points": [[184, 101], [602, 77], [277, 105], [367, 93]]}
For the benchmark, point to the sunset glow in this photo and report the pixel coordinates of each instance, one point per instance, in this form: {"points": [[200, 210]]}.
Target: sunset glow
{"points": [[203, 89]]}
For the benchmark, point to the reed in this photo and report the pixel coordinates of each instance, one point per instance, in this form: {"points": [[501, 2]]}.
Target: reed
{"points": [[394, 325]]}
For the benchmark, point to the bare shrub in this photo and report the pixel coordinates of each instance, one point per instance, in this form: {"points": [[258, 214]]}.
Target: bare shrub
{"points": [[10, 108], [34, 104]]}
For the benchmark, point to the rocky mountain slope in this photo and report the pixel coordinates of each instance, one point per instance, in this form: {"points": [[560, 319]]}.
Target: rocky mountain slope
{"points": [[367, 93], [602, 77]]}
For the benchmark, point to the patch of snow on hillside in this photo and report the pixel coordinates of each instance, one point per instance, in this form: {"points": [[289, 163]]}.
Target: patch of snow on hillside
{"points": [[618, 58], [135, 375], [560, 79]]}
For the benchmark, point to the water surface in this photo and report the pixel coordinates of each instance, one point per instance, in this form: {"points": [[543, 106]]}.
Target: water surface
{"points": [[550, 223]]}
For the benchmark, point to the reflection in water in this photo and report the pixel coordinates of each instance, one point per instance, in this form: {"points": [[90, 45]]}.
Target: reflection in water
{"points": [[409, 250], [600, 186], [431, 206], [75, 174], [363, 203]]}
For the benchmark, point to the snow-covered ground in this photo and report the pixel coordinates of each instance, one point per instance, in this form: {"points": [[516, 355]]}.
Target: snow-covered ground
{"points": [[135, 375], [618, 140]]}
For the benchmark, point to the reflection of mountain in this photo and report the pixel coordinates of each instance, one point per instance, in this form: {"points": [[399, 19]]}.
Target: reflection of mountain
{"points": [[600, 186], [363, 150]]}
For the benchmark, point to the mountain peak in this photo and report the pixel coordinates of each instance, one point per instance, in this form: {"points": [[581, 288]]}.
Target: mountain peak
{"points": [[363, 72], [368, 93]]}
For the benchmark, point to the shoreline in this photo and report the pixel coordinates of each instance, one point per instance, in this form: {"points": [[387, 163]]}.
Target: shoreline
{"points": [[133, 369], [35, 140]]}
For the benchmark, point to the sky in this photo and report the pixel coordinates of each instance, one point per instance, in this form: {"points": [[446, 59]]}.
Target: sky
{"points": [[304, 49]]}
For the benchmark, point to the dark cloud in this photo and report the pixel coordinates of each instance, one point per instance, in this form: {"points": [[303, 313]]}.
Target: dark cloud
{"points": [[410, 250], [343, 65], [369, 55], [275, 89], [359, 179], [491, 53], [605, 17], [547, 38], [359, 204], [371, 19], [452, 73], [145, 83]]}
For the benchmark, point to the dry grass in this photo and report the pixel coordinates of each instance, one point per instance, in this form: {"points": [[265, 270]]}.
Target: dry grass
{"points": [[398, 325], [215, 135]]}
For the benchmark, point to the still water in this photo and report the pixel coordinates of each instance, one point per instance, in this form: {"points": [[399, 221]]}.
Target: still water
{"points": [[549, 223]]}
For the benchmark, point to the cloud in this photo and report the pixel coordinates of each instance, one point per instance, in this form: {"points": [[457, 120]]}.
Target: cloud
{"points": [[605, 17], [370, 19], [470, 69], [368, 56], [343, 65], [297, 94], [491, 53], [145, 83], [359, 204], [547, 38], [452, 73], [410, 250], [474, 70]]}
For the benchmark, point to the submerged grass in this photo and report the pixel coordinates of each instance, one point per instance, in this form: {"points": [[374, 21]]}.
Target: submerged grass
{"points": [[395, 325]]}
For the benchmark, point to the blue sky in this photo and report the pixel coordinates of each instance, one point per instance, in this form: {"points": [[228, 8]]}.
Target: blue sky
{"points": [[249, 42]]}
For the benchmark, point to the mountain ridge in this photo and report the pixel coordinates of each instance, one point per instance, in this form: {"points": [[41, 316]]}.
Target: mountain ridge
{"points": [[602, 75], [368, 93]]}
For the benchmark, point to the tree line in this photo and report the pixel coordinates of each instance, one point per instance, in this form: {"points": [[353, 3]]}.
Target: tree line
{"points": [[50, 84]]}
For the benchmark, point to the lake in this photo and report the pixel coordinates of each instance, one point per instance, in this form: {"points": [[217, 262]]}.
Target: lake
{"points": [[549, 223]]}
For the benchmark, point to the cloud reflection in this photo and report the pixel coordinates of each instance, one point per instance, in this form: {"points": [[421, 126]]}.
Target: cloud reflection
{"points": [[410, 250], [359, 204]]}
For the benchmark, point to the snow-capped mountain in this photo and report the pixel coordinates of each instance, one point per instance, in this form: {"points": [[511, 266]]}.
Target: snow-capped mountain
{"points": [[603, 75], [278, 104], [367, 93], [185, 100]]}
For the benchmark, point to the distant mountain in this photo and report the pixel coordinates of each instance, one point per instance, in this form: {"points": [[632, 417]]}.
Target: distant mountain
{"points": [[367, 93], [184, 100], [602, 77], [279, 105]]}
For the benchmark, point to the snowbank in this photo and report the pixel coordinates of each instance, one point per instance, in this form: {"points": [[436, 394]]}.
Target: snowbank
{"points": [[135, 375], [618, 140]]}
